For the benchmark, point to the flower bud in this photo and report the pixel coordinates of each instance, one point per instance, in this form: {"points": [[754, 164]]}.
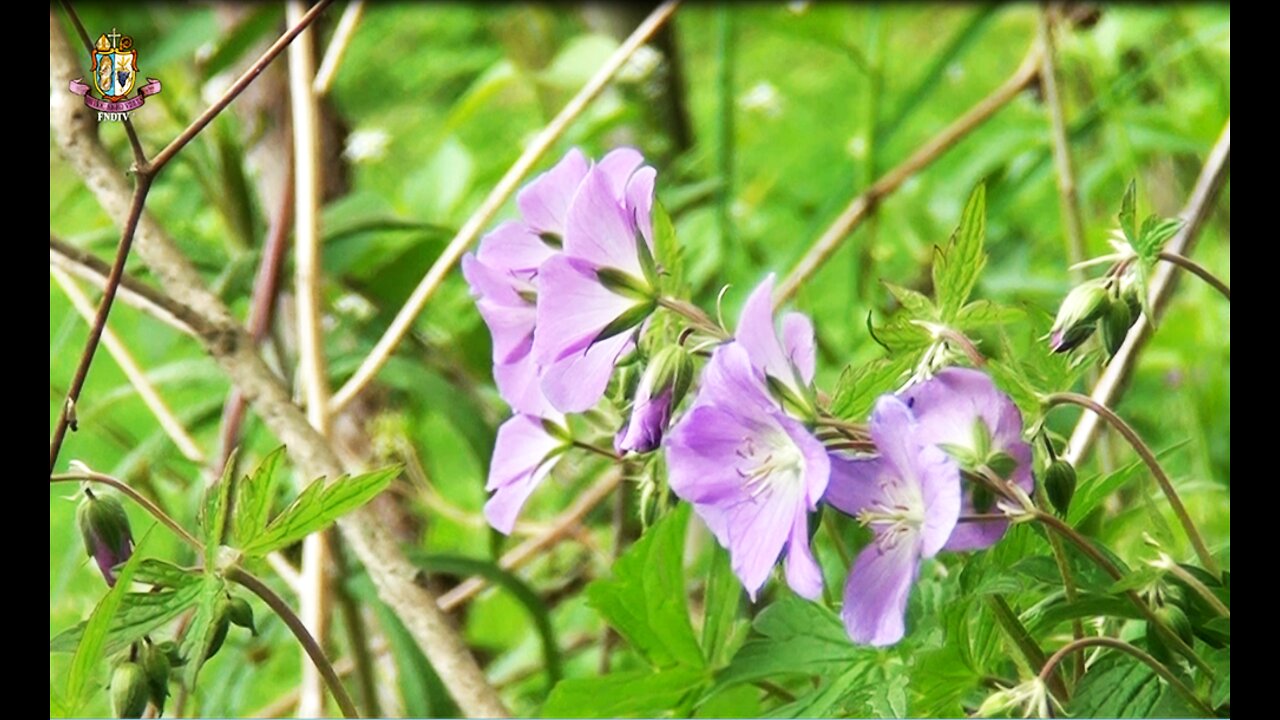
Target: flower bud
{"points": [[1177, 621], [1115, 325], [104, 525], [169, 649], [242, 614], [1060, 484], [221, 623], [1078, 315], [662, 387], [129, 690], [155, 662]]}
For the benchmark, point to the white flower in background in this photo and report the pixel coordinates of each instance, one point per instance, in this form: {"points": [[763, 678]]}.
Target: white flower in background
{"points": [[640, 65], [368, 145], [798, 7], [856, 147], [216, 86], [762, 98], [354, 306]]}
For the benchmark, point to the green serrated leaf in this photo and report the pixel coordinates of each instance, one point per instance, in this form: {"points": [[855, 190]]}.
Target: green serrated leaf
{"points": [[915, 304], [670, 256], [1120, 687], [165, 574], [859, 386], [203, 626], [1155, 232], [644, 599], [637, 693], [723, 597], [138, 614], [93, 642], [254, 493], [1220, 693], [1046, 616], [213, 516], [1129, 214], [793, 636], [317, 507], [984, 313], [825, 699], [957, 266]]}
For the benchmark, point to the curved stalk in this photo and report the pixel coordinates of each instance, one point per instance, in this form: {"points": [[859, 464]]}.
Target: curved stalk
{"points": [[1148, 457], [151, 508], [314, 651], [1143, 657], [1198, 270]]}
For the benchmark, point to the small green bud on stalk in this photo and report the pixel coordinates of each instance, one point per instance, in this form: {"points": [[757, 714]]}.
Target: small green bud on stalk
{"points": [[129, 690], [1174, 617], [1080, 311], [242, 614], [221, 623], [1060, 484], [1115, 325], [155, 661]]}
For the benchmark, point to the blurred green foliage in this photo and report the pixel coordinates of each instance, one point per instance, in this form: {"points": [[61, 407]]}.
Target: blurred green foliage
{"points": [[824, 99]]}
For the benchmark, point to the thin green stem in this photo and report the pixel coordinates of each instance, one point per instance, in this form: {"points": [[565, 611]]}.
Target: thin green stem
{"points": [[696, 317], [309, 644], [1156, 665], [1031, 652], [1148, 457], [151, 508], [1198, 270], [1170, 637]]}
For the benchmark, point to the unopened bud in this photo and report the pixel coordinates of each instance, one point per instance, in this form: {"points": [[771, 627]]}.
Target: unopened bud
{"points": [[129, 690], [664, 384], [104, 525], [1060, 484], [1115, 325], [1078, 315], [1176, 620], [221, 623], [242, 614], [155, 662]]}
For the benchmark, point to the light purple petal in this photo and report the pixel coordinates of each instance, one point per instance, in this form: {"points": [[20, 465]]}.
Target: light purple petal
{"points": [[639, 201], [617, 167], [816, 461], [797, 342], [514, 248], [490, 283], [520, 386], [756, 333], [940, 487], [975, 535], [702, 455], [730, 381], [576, 382], [757, 529], [876, 593], [545, 200], [803, 573], [857, 483], [511, 327], [893, 428], [517, 467], [598, 229], [573, 307]]}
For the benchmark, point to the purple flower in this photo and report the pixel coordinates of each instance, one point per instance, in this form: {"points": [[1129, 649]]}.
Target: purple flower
{"points": [[752, 473], [909, 495], [959, 409], [523, 455], [503, 279], [594, 295], [789, 361]]}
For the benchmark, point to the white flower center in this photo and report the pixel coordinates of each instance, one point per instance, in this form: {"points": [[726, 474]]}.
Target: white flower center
{"points": [[769, 460], [898, 515]]}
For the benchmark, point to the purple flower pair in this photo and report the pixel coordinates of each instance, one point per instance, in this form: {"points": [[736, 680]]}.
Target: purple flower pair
{"points": [[911, 493], [564, 292]]}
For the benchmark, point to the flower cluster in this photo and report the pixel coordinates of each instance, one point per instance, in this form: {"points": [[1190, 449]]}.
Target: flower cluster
{"points": [[567, 292]]}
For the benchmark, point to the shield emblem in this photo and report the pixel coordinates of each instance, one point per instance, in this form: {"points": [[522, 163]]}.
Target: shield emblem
{"points": [[114, 72]]}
